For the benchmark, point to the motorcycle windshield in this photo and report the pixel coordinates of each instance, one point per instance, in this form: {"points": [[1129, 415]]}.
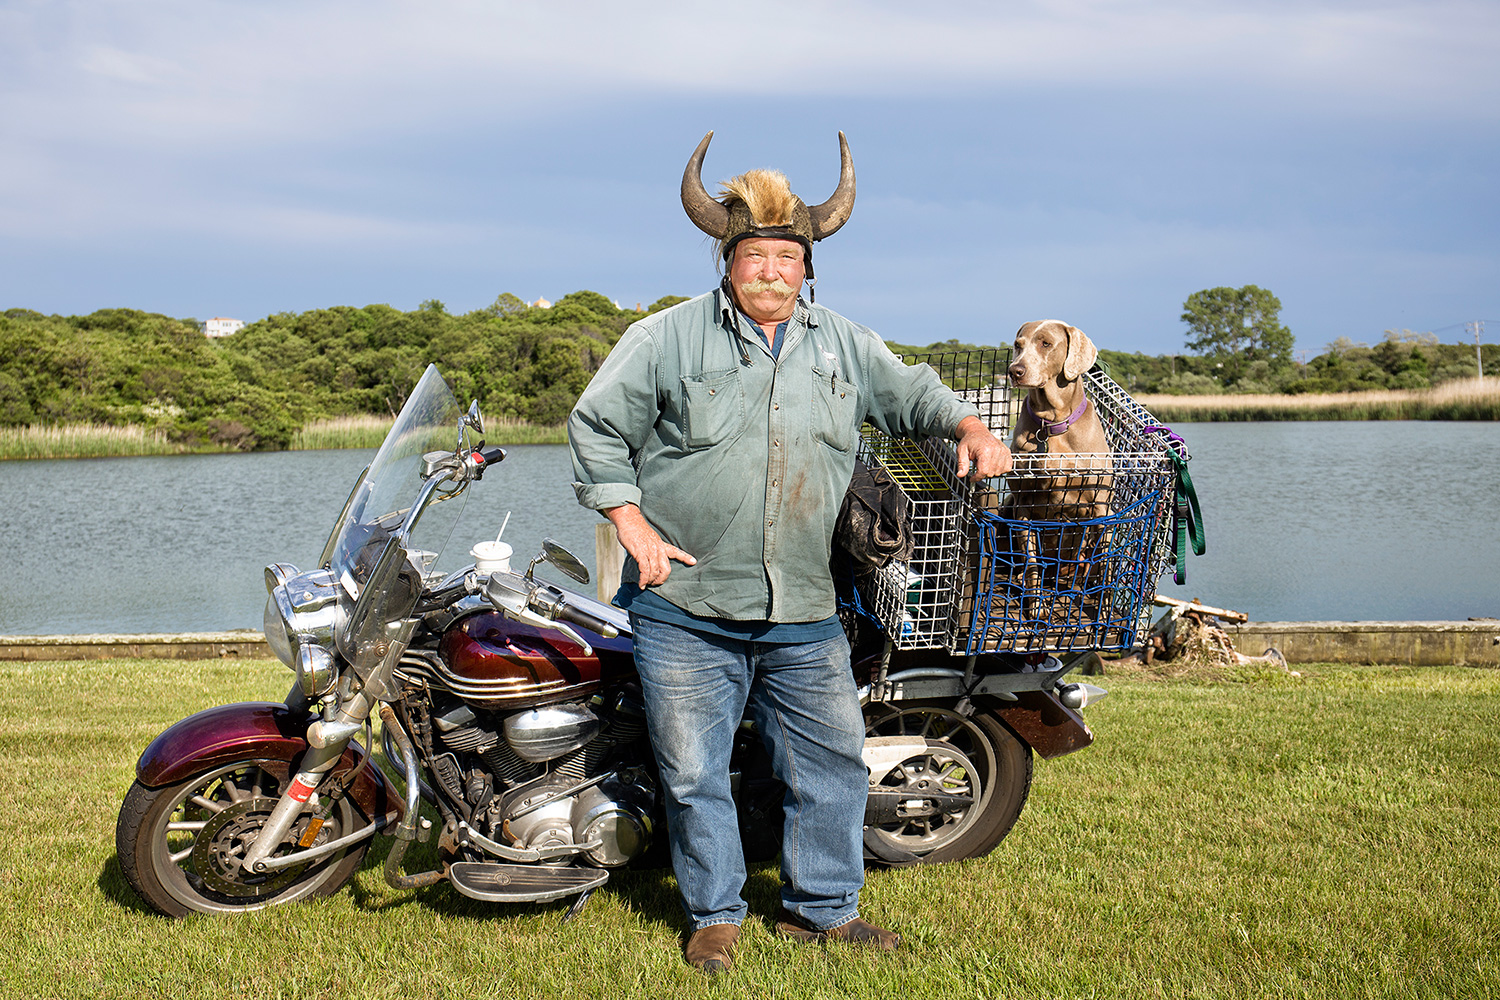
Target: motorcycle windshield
{"points": [[382, 502]]}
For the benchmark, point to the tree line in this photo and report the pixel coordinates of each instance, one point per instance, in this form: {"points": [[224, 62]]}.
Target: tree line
{"points": [[1237, 344], [255, 389]]}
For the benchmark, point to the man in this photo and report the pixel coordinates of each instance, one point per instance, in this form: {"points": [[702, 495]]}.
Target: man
{"points": [[719, 437]]}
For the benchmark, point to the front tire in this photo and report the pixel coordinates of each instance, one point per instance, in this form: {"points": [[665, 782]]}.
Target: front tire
{"points": [[974, 756], [181, 845]]}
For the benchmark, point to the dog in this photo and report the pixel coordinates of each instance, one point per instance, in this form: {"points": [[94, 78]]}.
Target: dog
{"points": [[1062, 471]]}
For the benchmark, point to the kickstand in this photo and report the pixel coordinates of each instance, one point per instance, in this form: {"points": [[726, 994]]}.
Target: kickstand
{"points": [[577, 907]]}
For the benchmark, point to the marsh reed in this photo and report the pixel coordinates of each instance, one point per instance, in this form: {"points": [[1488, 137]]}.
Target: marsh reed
{"points": [[359, 431], [367, 431], [85, 440], [1468, 399]]}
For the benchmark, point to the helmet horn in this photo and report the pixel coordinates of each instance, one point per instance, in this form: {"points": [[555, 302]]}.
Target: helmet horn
{"points": [[833, 213], [706, 213]]}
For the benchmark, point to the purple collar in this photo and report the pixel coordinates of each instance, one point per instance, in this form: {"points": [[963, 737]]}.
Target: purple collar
{"points": [[1054, 429]]}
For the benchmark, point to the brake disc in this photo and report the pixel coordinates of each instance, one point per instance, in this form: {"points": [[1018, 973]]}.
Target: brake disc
{"points": [[220, 849]]}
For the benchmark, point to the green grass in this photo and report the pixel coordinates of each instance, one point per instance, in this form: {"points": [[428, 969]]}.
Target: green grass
{"points": [[1325, 836]]}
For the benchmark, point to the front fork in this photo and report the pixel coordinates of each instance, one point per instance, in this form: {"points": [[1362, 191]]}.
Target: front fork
{"points": [[326, 738]]}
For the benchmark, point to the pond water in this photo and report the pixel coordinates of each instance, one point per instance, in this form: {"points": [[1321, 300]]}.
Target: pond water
{"points": [[1347, 520], [1304, 522]]}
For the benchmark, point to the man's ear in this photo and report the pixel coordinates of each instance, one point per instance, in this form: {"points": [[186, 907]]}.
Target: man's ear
{"points": [[1081, 353]]}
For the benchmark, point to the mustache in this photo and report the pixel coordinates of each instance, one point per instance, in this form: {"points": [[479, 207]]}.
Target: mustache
{"points": [[775, 285]]}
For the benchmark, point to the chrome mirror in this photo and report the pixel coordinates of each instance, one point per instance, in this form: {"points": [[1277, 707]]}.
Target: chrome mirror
{"points": [[560, 557], [474, 418]]}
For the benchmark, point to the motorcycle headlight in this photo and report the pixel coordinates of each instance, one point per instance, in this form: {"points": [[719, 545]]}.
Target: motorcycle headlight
{"points": [[299, 624], [277, 636]]}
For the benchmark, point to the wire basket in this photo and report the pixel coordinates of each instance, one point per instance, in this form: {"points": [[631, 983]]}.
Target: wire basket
{"points": [[1063, 554]]}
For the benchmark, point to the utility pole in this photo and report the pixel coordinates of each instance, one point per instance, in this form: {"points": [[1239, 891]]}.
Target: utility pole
{"points": [[1478, 327]]}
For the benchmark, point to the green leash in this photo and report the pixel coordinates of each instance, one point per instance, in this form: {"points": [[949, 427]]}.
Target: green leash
{"points": [[1187, 515]]}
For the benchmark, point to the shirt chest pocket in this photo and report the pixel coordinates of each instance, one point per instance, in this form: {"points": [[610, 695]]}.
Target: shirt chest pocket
{"points": [[836, 415], [713, 407]]}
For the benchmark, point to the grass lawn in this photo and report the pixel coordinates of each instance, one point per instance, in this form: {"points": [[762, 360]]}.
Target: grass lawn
{"points": [[1332, 835]]}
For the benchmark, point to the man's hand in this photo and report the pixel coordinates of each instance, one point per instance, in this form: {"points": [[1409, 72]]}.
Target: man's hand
{"points": [[645, 546], [980, 450]]}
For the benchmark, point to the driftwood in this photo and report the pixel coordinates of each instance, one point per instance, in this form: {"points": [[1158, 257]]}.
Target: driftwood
{"points": [[1196, 605], [1189, 635]]}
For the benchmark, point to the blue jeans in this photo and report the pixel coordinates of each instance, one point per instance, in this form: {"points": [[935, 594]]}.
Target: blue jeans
{"points": [[805, 705]]}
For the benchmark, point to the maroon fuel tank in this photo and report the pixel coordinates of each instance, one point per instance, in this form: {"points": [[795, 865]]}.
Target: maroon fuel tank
{"points": [[495, 662], [252, 730]]}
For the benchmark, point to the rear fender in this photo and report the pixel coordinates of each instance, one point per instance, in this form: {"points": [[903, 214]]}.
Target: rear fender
{"points": [[254, 730], [1042, 722], [1036, 716]]}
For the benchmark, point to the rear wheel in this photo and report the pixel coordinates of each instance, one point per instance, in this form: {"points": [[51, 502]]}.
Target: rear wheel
{"points": [[182, 846], [982, 768]]}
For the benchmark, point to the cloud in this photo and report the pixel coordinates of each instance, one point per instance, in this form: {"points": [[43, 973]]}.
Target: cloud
{"points": [[1150, 144], [269, 71]]}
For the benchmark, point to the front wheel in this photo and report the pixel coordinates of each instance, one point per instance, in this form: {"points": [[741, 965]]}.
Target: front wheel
{"points": [[974, 759], [181, 846]]}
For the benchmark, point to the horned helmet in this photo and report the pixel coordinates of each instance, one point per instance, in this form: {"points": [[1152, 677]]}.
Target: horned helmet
{"points": [[761, 203]]}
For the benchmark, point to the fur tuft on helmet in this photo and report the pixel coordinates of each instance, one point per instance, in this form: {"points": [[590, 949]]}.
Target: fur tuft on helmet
{"points": [[768, 196], [761, 203]]}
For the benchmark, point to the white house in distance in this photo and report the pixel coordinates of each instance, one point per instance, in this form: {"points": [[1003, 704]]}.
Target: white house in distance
{"points": [[221, 327]]}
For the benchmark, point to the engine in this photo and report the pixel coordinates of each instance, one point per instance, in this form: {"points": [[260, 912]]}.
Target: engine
{"points": [[551, 776]]}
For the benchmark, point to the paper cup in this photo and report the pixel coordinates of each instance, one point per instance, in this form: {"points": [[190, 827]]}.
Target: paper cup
{"points": [[491, 557]]}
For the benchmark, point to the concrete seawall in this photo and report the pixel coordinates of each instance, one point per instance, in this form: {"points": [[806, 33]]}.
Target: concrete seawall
{"points": [[165, 646], [1470, 643]]}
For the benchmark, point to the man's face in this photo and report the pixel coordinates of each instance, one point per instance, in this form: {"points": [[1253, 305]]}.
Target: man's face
{"points": [[767, 275]]}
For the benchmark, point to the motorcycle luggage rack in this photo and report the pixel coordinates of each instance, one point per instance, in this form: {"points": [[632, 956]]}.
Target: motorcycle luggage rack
{"points": [[979, 580]]}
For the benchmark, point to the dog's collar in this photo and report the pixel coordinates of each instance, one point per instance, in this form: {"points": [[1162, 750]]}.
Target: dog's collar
{"points": [[1061, 426]]}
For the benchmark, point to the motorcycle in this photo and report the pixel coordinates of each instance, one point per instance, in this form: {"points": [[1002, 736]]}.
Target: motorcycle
{"points": [[510, 706]]}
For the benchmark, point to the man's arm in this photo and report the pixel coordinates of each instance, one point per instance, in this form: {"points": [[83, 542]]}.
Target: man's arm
{"points": [[911, 399], [610, 423], [606, 428]]}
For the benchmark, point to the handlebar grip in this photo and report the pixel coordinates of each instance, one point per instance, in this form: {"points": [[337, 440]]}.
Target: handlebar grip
{"points": [[492, 454], [576, 616]]}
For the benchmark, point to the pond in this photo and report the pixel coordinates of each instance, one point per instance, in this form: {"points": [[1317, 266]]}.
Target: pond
{"points": [[1305, 521]]}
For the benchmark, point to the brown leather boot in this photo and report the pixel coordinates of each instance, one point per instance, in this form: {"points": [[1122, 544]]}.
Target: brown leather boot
{"points": [[711, 948], [856, 931]]}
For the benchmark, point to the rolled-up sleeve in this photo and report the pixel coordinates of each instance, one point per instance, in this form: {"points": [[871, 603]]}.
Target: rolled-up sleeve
{"points": [[611, 421], [910, 400]]}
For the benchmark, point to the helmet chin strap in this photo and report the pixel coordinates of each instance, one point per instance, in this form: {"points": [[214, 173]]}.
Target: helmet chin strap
{"points": [[734, 307]]}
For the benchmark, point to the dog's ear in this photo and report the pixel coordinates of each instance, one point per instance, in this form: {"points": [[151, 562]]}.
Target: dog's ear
{"points": [[1081, 353]]}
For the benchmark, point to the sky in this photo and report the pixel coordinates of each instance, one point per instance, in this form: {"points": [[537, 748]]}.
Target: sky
{"points": [[1095, 161]]}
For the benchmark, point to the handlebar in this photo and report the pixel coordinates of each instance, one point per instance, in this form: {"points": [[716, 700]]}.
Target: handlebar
{"points": [[581, 618]]}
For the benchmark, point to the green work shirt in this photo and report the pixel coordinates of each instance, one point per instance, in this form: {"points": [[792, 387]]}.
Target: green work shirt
{"points": [[740, 458]]}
